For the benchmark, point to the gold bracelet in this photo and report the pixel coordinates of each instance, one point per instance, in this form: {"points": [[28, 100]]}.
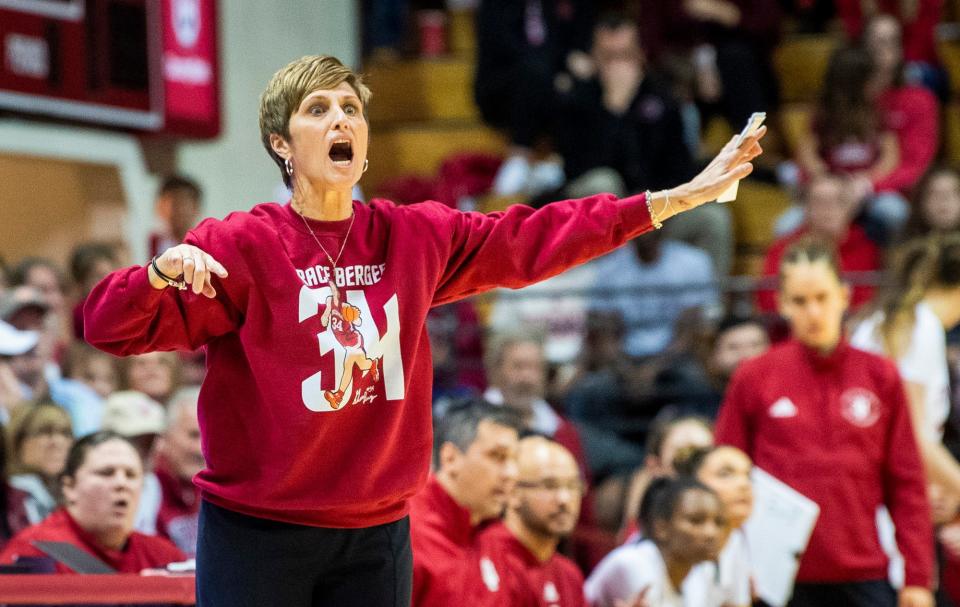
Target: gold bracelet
{"points": [[653, 216], [667, 207]]}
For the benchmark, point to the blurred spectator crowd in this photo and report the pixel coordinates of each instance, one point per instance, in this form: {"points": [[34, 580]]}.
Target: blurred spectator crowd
{"points": [[131, 474], [563, 409], [616, 97]]}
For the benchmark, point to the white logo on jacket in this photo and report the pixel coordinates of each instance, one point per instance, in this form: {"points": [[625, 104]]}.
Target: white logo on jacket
{"points": [[860, 407], [489, 574], [784, 407], [550, 593]]}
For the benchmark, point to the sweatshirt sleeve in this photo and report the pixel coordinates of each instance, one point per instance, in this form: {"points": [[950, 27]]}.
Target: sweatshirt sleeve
{"points": [[919, 140], [905, 489], [523, 245], [125, 315], [734, 425]]}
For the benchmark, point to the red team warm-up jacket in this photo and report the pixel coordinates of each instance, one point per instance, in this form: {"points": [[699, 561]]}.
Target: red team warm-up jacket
{"points": [[274, 447], [456, 563], [837, 429], [526, 581], [442, 539]]}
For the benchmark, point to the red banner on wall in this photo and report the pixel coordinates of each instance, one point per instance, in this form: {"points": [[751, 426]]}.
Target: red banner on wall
{"points": [[191, 82]]}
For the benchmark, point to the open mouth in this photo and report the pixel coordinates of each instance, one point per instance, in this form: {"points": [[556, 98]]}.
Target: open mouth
{"points": [[121, 503], [341, 152]]}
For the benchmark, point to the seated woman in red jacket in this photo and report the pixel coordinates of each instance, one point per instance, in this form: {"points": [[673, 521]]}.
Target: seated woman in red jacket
{"points": [[101, 489]]}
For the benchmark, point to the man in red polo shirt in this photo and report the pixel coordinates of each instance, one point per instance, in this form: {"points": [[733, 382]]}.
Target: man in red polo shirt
{"points": [[542, 510], [475, 457]]}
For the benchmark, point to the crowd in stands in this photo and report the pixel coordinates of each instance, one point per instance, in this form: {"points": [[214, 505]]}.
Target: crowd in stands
{"points": [[618, 359], [575, 460], [98, 451]]}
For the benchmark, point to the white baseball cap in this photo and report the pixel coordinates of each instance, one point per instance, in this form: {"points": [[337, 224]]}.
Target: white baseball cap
{"points": [[14, 342], [131, 413]]}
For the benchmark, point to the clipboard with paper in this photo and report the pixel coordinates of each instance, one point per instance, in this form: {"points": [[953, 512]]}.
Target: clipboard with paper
{"points": [[777, 533]]}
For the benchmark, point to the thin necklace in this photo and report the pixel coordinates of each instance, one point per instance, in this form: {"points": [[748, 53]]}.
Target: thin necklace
{"points": [[333, 263]]}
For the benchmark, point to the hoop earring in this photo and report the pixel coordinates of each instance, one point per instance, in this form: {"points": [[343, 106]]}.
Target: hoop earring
{"points": [[288, 164], [366, 164]]}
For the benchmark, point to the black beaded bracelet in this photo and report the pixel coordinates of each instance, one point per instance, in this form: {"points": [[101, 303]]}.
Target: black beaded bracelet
{"points": [[173, 282]]}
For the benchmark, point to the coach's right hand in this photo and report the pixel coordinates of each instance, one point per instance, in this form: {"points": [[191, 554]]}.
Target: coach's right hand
{"points": [[190, 264]]}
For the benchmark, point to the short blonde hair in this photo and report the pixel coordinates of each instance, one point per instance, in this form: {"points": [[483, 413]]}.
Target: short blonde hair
{"points": [[291, 85]]}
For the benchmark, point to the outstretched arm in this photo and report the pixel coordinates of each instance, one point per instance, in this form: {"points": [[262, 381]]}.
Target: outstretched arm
{"points": [[522, 245]]}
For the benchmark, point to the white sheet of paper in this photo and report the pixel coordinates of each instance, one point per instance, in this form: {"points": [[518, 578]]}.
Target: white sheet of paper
{"points": [[753, 123], [777, 533]]}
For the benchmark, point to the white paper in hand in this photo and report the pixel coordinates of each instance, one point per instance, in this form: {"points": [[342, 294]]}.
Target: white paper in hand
{"points": [[753, 124]]}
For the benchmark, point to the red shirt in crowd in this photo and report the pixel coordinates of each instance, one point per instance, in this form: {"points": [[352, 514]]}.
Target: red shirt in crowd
{"points": [[274, 446], [913, 114], [141, 551], [179, 508], [17, 519], [857, 253], [919, 33], [525, 581], [837, 429]]}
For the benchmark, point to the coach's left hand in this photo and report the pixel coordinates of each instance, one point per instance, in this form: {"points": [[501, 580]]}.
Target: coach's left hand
{"points": [[915, 596], [730, 165]]}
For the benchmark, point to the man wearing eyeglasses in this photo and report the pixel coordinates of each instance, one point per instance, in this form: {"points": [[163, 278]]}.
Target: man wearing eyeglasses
{"points": [[542, 510]]}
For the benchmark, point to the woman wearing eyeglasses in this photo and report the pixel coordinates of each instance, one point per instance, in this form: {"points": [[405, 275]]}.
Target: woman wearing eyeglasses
{"points": [[40, 435]]}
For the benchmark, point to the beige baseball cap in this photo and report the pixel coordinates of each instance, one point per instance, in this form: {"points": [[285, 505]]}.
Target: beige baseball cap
{"points": [[131, 413]]}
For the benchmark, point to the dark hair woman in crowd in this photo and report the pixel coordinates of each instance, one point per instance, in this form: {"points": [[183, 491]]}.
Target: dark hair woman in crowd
{"points": [[726, 470], [683, 525], [936, 203], [101, 487]]}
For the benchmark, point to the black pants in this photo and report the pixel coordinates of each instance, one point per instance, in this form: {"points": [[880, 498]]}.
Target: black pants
{"points": [[246, 561], [876, 593]]}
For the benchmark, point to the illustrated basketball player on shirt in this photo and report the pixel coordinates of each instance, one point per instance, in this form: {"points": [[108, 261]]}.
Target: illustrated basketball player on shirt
{"points": [[343, 319]]}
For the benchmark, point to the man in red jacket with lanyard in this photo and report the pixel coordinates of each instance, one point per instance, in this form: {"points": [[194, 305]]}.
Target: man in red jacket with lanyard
{"points": [[832, 422]]}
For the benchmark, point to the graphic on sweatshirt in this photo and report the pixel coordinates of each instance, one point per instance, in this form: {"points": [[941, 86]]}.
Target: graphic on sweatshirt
{"points": [[363, 357], [344, 320]]}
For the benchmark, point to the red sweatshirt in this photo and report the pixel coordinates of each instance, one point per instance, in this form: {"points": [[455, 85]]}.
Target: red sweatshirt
{"points": [[141, 552], [836, 429], [274, 447], [528, 581]]}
